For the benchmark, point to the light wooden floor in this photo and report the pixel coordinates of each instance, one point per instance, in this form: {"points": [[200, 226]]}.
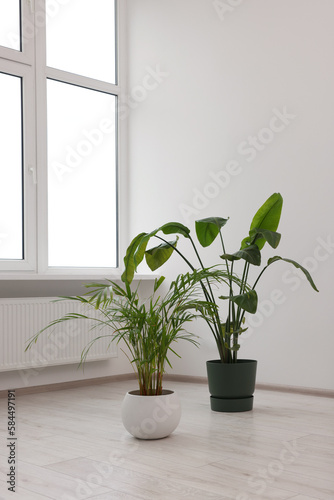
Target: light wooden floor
{"points": [[72, 445]]}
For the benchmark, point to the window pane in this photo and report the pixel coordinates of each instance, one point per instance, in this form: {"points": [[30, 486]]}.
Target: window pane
{"points": [[81, 177], [11, 206], [81, 38], [10, 24]]}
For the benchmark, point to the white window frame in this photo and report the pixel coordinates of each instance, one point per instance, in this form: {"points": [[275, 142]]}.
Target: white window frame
{"points": [[33, 55], [22, 64]]}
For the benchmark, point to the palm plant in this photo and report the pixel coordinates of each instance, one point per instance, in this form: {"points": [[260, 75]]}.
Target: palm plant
{"points": [[240, 295], [148, 328]]}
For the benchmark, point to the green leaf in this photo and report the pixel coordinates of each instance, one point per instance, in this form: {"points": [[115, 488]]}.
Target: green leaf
{"points": [[242, 330], [140, 252], [250, 254], [129, 259], [238, 331], [102, 296], [175, 228], [267, 217], [157, 256], [101, 293], [247, 300], [158, 282], [271, 237], [137, 248], [298, 266], [208, 229]]}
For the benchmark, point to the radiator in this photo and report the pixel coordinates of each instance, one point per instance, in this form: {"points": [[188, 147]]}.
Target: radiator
{"points": [[20, 319]]}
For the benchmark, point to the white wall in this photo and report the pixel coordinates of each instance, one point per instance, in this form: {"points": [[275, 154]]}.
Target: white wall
{"points": [[204, 77]]}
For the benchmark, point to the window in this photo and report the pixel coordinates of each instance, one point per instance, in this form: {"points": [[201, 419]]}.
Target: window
{"points": [[11, 193], [59, 94], [10, 24]]}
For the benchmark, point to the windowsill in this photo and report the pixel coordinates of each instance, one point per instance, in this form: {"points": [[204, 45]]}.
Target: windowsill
{"points": [[54, 285]]}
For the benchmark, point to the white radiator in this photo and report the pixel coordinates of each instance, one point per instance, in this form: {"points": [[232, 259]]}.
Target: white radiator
{"points": [[20, 319]]}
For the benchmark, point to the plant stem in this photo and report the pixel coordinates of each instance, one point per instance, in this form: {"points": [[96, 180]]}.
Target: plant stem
{"points": [[231, 307], [209, 296], [259, 276], [219, 337]]}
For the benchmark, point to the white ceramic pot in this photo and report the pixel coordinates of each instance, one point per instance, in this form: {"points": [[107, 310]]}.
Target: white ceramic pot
{"points": [[151, 417]]}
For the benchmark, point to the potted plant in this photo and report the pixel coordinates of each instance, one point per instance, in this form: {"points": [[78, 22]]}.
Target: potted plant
{"points": [[231, 380], [149, 329]]}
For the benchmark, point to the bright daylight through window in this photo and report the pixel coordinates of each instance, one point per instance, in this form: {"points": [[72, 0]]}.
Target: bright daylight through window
{"points": [[59, 93], [11, 246]]}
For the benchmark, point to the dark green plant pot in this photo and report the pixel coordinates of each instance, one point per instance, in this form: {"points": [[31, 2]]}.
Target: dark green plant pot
{"points": [[231, 385]]}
